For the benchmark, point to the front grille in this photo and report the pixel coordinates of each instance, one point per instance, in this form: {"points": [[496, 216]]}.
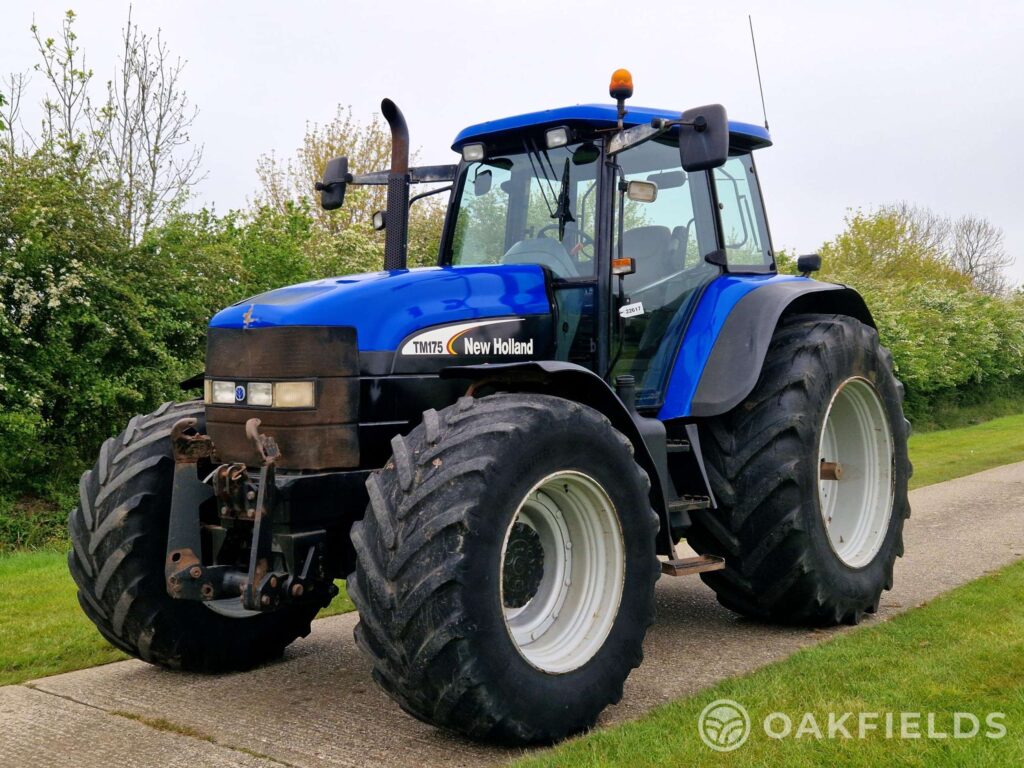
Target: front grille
{"points": [[323, 437]]}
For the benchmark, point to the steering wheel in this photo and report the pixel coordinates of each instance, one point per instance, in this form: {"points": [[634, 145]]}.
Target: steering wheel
{"points": [[586, 241]]}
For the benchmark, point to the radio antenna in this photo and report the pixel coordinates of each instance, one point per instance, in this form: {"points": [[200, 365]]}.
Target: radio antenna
{"points": [[760, 87]]}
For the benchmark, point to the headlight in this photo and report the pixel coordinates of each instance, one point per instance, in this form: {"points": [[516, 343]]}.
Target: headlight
{"points": [[280, 394], [294, 394], [473, 153], [261, 393], [224, 392]]}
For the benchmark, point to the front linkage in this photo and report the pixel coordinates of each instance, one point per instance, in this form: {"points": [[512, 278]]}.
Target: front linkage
{"points": [[282, 567]]}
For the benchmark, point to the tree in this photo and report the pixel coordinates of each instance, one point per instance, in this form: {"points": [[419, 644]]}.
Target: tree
{"points": [[66, 106], [10, 109], [978, 251], [971, 245], [368, 147], [137, 138], [141, 132]]}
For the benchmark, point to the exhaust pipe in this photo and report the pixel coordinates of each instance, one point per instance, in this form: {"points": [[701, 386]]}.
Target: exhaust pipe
{"points": [[397, 215]]}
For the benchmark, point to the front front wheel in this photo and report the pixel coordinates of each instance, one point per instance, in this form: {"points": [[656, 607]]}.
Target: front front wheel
{"points": [[506, 568]]}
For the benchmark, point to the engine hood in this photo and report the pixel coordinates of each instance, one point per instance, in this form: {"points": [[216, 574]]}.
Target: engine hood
{"points": [[386, 307]]}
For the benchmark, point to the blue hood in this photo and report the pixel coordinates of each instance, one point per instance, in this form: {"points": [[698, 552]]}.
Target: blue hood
{"points": [[385, 307]]}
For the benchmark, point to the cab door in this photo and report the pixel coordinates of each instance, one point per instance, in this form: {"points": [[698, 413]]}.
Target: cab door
{"points": [[667, 239]]}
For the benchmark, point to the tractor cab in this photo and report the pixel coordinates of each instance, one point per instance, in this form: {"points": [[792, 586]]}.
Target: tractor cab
{"points": [[628, 236]]}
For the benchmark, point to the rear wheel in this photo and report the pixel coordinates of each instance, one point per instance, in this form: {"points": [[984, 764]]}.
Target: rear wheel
{"points": [[506, 567], [810, 474], [119, 539]]}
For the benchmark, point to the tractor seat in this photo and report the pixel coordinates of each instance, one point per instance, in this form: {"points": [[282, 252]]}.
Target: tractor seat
{"points": [[650, 247]]}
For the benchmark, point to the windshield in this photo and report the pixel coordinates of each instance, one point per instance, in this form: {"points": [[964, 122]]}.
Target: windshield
{"points": [[531, 207]]}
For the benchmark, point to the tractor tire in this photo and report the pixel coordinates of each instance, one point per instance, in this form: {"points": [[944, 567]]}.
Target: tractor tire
{"points": [[801, 546], [506, 568], [119, 538]]}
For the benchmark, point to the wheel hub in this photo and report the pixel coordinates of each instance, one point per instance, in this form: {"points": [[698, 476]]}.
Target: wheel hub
{"points": [[524, 566], [855, 481], [562, 571]]}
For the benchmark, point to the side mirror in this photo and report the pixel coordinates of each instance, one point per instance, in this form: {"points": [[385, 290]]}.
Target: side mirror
{"points": [[704, 138], [642, 191], [805, 265], [482, 183], [332, 188]]}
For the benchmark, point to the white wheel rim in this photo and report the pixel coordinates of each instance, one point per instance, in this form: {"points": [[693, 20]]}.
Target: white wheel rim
{"points": [[567, 617], [856, 507]]}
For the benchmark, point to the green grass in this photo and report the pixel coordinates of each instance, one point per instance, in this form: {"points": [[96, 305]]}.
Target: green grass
{"points": [[951, 453], [43, 630], [963, 652]]}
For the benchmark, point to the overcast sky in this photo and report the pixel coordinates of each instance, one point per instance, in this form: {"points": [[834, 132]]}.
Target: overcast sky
{"points": [[869, 102]]}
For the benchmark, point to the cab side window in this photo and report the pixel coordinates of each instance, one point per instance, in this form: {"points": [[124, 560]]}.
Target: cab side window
{"points": [[744, 231]]}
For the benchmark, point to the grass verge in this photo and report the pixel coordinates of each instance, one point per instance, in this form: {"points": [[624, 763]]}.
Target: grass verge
{"points": [[42, 629], [960, 653], [952, 453]]}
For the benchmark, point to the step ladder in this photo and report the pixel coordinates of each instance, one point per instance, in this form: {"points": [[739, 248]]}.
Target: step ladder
{"points": [[688, 566]]}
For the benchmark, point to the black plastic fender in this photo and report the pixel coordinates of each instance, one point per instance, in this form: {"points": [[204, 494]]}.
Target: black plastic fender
{"points": [[736, 359], [574, 382]]}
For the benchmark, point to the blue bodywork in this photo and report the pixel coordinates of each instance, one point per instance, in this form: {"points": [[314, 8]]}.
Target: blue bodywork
{"points": [[743, 135], [720, 297], [385, 307]]}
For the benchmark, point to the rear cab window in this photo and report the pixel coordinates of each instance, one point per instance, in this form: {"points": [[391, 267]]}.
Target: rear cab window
{"points": [[744, 227]]}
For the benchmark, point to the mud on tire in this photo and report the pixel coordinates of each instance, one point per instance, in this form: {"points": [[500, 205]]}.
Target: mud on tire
{"points": [[119, 535]]}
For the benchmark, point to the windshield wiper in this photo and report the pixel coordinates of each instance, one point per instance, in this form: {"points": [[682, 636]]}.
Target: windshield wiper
{"points": [[562, 212]]}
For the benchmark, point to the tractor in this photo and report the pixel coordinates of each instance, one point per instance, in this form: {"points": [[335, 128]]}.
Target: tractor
{"points": [[501, 454]]}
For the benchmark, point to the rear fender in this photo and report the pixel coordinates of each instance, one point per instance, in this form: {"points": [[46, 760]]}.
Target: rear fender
{"points": [[734, 357]]}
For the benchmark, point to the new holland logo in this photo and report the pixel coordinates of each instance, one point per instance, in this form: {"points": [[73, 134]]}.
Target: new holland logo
{"points": [[483, 337]]}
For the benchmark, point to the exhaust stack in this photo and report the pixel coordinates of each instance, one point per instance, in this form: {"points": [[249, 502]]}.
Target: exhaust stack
{"points": [[397, 216]]}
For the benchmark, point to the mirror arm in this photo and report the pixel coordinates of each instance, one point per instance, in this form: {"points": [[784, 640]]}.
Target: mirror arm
{"points": [[638, 134], [426, 174], [430, 192]]}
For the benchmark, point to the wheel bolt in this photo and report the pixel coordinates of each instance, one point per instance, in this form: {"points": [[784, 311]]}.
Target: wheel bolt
{"points": [[251, 495], [297, 590], [265, 600], [195, 572]]}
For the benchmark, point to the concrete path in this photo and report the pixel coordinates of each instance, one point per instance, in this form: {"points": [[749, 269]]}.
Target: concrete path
{"points": [[327, 711]]}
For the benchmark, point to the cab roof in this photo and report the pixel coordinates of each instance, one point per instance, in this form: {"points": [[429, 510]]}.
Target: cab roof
{"points": [[745, 136]]}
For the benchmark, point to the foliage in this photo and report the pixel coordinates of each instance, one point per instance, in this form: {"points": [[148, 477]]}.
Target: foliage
{"points": [[947, 336], [136, 138], [347, 232]]}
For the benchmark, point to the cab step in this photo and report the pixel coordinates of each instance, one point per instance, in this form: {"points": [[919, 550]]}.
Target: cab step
{"points": [[687, 566], [689, 503]]}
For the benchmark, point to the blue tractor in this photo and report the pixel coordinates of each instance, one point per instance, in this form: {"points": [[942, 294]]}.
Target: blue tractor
{"points": [[501, 454]]}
